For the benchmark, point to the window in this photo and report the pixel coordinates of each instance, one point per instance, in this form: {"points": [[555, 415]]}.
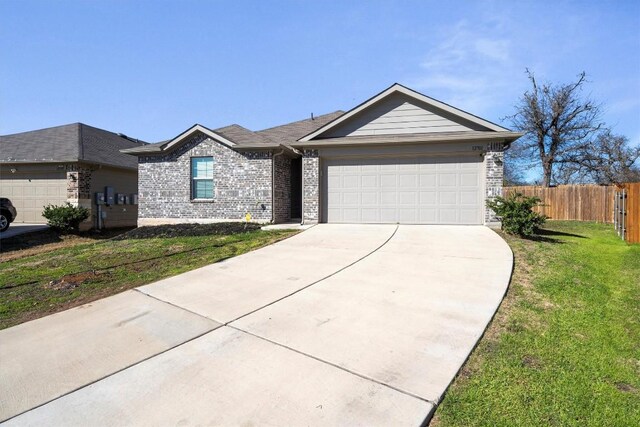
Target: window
{"points": [[202, 177]]}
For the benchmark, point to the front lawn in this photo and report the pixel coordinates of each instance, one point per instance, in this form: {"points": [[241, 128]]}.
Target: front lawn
{"points": [[41, 283], [564, 347]]}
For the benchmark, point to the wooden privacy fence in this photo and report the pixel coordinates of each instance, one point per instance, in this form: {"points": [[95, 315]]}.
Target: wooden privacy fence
{"points": [[626, 212], [572, 202], [602, 203]]}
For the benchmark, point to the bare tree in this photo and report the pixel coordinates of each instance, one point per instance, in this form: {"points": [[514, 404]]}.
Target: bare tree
{"points": [[556, 120], [609, 159], [513, 175]]}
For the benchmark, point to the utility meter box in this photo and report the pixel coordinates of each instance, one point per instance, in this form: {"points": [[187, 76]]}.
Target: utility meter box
{"points": [[120, 199], [99, 197], [134, 199], [109, 195]]}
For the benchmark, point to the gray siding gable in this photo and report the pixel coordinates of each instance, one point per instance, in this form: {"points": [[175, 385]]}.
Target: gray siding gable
{"points": [[399, 114]]}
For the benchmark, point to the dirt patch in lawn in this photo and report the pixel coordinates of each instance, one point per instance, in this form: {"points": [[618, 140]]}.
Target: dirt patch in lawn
{"points": [[72, 281], [43, 241], [188, 230]]}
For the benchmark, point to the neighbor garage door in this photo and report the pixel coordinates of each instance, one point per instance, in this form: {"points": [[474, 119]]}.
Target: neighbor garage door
{"points": [[30, 194], [424, 190]]}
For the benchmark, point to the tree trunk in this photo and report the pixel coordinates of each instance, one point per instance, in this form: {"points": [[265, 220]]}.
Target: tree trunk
{"points": [[547, 170]]}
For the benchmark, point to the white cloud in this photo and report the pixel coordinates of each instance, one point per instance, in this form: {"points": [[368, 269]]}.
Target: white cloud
{"points": [[471, 66]]}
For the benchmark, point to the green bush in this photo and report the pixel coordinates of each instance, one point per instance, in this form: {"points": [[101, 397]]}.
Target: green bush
{"points": [[516, 213], [65, 218]]}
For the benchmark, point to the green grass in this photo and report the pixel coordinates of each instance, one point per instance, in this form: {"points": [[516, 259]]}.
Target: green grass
{"points": [[564, 347], [108, 267]]}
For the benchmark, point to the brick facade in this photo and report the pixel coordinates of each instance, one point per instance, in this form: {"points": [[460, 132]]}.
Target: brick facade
{"points": [[494, 158], [310, 185], [282, 188], [241, 181], [78, 183]]}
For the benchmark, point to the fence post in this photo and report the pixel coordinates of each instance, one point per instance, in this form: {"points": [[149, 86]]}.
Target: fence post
{"points": [[624, 213]]}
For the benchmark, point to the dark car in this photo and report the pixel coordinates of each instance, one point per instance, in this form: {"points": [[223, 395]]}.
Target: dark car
{"points": [[7, 213]]}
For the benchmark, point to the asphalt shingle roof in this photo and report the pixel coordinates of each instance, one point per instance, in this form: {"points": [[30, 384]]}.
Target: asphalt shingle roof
{"points": [[241, 135], [68, 143], [284, 134], [291, 132]]}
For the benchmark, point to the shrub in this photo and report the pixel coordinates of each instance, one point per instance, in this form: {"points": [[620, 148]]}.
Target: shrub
{"points": [[516, 213], [65, 218]]}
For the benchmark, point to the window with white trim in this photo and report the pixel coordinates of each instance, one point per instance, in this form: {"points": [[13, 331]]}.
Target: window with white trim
{"points": [[202, 178]]}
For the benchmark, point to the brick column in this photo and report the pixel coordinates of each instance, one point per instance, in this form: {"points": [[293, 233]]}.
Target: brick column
{"points": [[311, 185], [79, 191], [493, 159], [78, 184]]}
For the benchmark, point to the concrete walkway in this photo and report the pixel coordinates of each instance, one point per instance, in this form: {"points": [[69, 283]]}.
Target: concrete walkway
{"points": [[339, 325]]}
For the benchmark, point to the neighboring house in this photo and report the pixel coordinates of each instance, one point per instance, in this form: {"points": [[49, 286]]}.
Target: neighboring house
{"points": [[68, 163], [400, 157]]}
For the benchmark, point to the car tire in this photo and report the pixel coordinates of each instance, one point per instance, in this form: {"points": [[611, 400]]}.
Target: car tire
{"points": [[4, 222]]}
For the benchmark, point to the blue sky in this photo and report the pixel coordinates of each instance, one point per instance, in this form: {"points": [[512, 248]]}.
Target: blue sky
{"points": [[151, 69]]}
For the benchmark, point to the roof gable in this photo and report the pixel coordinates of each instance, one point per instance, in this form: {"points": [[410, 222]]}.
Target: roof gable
{"points": [[399, 110], [184, 136], [233, 136]]}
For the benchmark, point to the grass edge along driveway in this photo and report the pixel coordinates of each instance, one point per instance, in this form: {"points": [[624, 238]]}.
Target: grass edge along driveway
{"points": [[37, 285], [564, 346]]}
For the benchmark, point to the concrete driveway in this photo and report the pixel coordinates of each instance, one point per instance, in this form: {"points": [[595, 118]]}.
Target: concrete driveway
{"points": [[15, 229], [339, 325]]}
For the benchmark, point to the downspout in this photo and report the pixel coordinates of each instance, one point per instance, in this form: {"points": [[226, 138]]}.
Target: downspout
{"points": [[273, 185]]}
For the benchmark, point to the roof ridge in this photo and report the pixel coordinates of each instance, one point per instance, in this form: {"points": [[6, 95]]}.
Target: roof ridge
{"points": [[301, 120]]}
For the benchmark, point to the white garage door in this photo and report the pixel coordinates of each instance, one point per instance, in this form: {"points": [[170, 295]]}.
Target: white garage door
{"points": [[427, 190], [30, 194]]}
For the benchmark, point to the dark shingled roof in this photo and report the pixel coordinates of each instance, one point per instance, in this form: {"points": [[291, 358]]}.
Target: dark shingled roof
{"points": [[290, 133], [68, 143], [284, 134], [241, 135]]}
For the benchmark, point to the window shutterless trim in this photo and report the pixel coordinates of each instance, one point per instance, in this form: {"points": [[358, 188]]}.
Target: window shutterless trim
{"points": [[195, 179]]}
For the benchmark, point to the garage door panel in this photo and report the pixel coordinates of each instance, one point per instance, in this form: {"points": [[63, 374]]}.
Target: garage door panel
{"points": [[369, 198], [334, 181], [334, 198], [351, 214], [370, 215], [447, 179], [427, 190], [407, 167], [351, 198], [31, 192], [409, 216], [350, 181], [388, 198], [469, 198], [428, 216], [447, 198], [448, 216], [468, 216], [428, 180], [428, 198], [408, 198], [369, 181], [388, 215], [469, 179], [334, 215], [388, 181], [408, 180]]}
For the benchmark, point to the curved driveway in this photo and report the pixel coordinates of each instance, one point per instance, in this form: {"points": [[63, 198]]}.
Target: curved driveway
{"points": [[339, 325]]}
